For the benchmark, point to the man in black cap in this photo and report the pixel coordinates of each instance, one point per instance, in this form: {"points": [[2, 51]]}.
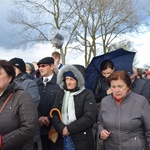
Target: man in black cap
{"points": [[24, 81], [18, 63], [48, 89]]}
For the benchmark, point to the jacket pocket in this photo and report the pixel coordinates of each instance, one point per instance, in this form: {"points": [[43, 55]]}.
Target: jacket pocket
{"points": [[136, 143]]}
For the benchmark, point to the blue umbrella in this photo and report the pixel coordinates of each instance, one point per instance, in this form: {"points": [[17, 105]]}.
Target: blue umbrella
{"points": [[121, 58], [68, 143]]}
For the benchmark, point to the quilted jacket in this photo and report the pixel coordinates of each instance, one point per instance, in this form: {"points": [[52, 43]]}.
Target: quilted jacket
{"points": [[18, 120], [128, 123]]}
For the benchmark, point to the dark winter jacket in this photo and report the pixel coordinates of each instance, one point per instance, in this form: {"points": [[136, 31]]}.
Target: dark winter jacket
{"points": [[85, 110], [101, 88], [28, 85], [48, 95], [18, 120], [129, 123], [24, 81], [141, 86]]}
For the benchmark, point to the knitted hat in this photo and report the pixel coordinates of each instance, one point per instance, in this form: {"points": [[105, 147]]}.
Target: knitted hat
{"points": [[70, 74], [46, 60], [19, 63]]}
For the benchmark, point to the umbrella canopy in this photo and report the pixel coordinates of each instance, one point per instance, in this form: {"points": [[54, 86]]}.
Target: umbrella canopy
{"points": [[121, 58], [68, 143]]}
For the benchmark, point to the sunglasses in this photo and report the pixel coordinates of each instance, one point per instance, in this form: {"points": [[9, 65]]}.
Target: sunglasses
{"points": [[42, 65]]}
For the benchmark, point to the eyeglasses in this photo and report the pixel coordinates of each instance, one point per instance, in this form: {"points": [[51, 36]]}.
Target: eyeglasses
{"points": [[43, 65]]}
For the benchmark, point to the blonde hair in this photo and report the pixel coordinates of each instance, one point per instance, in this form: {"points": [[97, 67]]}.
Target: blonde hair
{"points": [[56, 54], [28, 66]]}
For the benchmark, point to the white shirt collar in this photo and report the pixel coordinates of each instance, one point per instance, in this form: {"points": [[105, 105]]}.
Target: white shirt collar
{"points": [[49, 78]]}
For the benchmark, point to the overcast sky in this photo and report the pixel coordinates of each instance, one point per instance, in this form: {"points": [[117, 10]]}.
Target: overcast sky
{"points": [[35, 53]]}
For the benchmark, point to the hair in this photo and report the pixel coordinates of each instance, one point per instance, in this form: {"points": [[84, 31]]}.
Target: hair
{"points": [[139, 72], [8, 67], [28, 66], [106, 64], [56, 54], [120, 74]]}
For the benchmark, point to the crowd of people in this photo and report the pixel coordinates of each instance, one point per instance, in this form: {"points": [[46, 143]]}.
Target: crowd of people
{"points": [[114, 116]]}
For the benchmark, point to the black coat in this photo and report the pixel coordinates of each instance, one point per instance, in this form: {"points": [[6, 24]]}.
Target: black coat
{"points": [[47, 98], [141, 86], [85, 111], [81, 129], [100, 88]]}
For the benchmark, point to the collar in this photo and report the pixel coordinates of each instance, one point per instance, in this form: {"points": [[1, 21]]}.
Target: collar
{"points": [[1, 94], [59, 65], [49, 78]]}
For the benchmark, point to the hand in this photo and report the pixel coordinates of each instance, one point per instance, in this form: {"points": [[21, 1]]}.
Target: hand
{"points": [[44, 121], [104, 134], [109, 91], [65, 131]]}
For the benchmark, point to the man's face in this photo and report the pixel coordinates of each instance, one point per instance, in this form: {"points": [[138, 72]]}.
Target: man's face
{"points": [[46, 69], [57, 60], [17, 71]]}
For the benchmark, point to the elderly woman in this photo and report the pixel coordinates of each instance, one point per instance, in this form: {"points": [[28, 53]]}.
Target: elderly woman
{"points": [[124, 117], [18, 113], [78, 108]]}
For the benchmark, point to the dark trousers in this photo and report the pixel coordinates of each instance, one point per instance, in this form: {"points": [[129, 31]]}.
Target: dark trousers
{"points": [[46, 143], [35, 146]]}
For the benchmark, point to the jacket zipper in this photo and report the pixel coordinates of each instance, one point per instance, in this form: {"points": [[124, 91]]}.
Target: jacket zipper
{"points": [[119, 128]]}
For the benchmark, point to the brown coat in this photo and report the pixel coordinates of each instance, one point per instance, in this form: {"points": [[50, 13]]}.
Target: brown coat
{"points": [[18, 122]]}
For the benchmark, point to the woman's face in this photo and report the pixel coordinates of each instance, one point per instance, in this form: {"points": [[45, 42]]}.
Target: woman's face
{"points": [[4, 80], [70, 82], [119, 88], [107, 72]]}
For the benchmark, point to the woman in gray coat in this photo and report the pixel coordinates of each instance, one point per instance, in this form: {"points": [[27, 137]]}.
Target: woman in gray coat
{"points": [[124, 117], [19, 117]]}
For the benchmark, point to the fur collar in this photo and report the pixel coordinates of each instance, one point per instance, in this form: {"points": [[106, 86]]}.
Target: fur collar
{"points": [[76, 72]]}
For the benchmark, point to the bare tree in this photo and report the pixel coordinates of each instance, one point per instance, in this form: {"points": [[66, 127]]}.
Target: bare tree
{"points": [[127, 45], [115, 19], [118, 18], [34, 18], [86, 33], [92, 25]]}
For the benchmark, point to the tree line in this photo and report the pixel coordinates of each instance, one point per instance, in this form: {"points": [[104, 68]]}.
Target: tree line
{"points": [[91, 26]]}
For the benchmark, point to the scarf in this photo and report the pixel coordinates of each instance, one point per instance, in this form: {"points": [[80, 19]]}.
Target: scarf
{"points": [[68, 106]]}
